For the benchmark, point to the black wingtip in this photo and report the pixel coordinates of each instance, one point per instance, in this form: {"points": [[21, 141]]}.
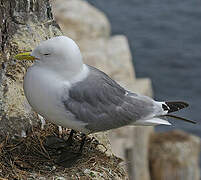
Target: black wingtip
{"points": [[174, 106]]}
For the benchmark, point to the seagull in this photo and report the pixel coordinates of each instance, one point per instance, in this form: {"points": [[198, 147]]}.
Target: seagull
{"points": [[71, 94]]}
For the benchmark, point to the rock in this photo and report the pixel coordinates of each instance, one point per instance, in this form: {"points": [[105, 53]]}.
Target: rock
{"points": [[104, 143], [174, 155], [16, 117], [140, 153], [79, 19], [111, 55]]}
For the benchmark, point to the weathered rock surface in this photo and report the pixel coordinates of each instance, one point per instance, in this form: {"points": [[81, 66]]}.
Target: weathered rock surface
{"points": [[174, 155], [23, 25], [79, 19]]}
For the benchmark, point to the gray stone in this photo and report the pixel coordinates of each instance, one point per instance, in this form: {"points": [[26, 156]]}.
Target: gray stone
{"points": [[19, 35], [79, 19], [174, 155]]}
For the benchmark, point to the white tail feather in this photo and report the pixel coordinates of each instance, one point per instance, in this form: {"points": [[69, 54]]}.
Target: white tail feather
{"points": [[151, 122]]}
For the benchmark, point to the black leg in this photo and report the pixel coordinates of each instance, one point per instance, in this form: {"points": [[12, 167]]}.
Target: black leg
{"points": [[69, 158], [82, 142], [70, 138]]}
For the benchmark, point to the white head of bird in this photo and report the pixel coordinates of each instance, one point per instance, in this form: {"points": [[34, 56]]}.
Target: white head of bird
{"points": [[57, 54]]}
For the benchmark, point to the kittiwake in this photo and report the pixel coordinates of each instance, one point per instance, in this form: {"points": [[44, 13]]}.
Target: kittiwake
{"points": [[69, 93]]}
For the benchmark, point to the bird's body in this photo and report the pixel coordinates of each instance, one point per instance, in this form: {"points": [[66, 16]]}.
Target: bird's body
{"points": [[45, 93], [61, 88]]}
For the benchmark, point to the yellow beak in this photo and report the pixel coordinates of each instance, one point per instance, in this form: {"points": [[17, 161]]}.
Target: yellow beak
{"points": [[25, 56]]}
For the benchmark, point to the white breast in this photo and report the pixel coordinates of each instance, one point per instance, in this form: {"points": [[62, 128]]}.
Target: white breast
{"points": [[44, 90]]}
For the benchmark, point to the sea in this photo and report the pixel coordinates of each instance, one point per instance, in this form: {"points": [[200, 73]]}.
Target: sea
{"points": [[165, 41]]}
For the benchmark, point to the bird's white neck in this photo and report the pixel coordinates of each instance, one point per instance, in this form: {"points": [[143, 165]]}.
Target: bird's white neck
{"points": [[70, 72], [64, 68]]}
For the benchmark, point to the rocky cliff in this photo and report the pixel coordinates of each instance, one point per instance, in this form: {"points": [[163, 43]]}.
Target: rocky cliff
{"points": [[174, 155], [23, 26], [23, 152]]}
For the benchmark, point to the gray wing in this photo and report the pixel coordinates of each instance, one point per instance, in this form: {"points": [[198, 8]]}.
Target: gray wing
{"points": [[101, 103]]}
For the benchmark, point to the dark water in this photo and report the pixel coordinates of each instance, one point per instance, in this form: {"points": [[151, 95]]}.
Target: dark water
{"points": [[165, 40]]}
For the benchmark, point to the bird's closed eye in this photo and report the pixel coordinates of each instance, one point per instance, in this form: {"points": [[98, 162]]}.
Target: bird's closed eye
{"points": [[46, 54]]}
